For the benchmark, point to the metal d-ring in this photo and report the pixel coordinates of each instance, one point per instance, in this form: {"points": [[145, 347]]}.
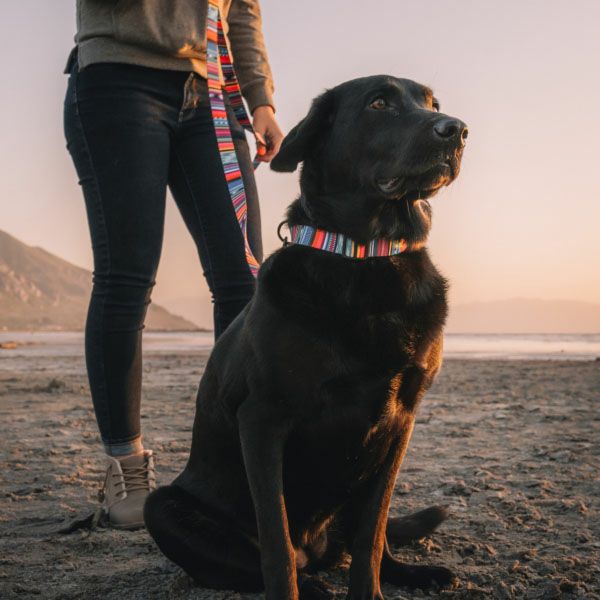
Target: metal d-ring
{"points": [[283, 239]]}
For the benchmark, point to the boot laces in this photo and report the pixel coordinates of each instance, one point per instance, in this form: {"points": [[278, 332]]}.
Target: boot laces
{"points": [[134, 479]]}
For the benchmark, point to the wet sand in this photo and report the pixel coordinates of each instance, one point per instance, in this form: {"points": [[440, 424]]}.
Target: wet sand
{"points": [[511, 447]]}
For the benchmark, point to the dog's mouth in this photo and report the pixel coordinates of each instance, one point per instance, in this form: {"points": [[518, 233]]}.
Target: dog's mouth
{"points": [[422, 185]]}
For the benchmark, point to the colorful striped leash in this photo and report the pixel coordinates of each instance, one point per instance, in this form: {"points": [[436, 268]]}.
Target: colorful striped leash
{"points": [[218, 59]]}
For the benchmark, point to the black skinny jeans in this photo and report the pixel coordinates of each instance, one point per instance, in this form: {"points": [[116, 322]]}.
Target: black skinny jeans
{"points": [[133, 131]]}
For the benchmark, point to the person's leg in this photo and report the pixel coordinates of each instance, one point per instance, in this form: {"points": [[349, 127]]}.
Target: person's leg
{"points": [[198, 185], [116, 125], [120, 146]]}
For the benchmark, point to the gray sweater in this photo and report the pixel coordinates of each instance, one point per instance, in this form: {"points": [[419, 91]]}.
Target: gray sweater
{"points": [[171, 34]]}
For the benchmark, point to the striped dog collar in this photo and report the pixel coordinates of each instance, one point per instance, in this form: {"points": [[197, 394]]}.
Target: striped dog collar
{"points": [[338, 243]]}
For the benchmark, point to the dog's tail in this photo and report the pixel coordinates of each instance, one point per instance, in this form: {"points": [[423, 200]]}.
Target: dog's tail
{"points": [[401, 531]]}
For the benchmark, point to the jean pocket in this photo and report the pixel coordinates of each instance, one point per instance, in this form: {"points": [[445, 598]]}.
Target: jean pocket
{"points": [[237, 130], [71, 93]]}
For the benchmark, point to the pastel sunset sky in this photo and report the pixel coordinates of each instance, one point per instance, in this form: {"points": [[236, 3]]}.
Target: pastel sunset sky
{"points": [[523, 218]]}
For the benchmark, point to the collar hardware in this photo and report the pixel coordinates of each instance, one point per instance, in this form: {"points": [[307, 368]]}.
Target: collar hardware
{"points": [[281, 237]]}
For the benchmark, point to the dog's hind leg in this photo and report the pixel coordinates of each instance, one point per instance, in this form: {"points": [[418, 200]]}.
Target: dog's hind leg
{"points": [[413, 576], [213, 552], [401, 531]]}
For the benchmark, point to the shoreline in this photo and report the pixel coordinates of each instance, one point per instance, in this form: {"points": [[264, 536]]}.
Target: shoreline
{"points": [[556, 347]]}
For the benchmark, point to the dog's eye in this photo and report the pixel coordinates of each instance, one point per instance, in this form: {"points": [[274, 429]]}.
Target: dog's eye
{"points": [[436, 105], [378, 104]]}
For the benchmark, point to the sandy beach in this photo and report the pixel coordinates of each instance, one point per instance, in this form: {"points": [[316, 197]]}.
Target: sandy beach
{"points": [[512, 447]]}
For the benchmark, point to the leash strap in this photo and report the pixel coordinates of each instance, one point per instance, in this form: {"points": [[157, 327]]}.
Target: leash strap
{"points": [[338, 243], [218, 60]]}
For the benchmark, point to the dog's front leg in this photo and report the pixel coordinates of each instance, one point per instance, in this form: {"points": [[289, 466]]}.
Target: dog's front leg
{"points": [[262, 437], [369, 541]]}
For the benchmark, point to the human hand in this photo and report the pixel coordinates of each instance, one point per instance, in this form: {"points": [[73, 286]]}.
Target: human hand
{"points": [[268, 134]]}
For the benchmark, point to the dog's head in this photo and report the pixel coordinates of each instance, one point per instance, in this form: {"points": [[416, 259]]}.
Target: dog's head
{"points": [[373, 150]]}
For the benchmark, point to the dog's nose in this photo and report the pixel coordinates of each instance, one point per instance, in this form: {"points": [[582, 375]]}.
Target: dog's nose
{"points": [[448, 128]]}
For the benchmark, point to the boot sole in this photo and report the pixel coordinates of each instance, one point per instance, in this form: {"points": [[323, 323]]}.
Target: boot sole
{"points": [[128, 526]]}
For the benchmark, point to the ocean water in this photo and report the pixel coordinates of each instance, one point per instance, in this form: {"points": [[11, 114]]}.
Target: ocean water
{"points": [[464, 346], [545, 346]]}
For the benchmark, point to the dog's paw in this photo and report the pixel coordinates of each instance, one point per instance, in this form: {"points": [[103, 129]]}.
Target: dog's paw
{"points": [[313, 588], [432, 577], [423, 577], [369, 595]]}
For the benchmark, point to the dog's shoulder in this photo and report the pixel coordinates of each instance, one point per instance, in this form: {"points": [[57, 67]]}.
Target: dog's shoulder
{"points": [[409, 279], [322, 289]]}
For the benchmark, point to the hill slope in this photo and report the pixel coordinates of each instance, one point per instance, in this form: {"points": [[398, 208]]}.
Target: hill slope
{"points": [[41, 291]]}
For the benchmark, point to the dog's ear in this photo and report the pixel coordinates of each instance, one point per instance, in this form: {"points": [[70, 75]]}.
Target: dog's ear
{"points": [[305, 136]]}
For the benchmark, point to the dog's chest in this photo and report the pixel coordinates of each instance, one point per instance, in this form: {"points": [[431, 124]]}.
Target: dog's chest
{"points": [[346, 436]]}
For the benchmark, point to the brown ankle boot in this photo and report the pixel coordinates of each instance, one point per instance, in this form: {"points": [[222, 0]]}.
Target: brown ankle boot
{"points": [[128, 482]]}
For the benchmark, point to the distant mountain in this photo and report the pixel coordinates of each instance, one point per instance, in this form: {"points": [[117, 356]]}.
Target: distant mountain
{"points": [[41, 291], [522, 315], [518, 315]]}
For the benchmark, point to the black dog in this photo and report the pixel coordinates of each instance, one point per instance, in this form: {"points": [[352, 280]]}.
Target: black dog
{"points": [[308, 401]]}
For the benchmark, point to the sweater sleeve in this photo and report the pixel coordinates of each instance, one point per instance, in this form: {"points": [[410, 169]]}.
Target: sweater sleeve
{"points": [[249, 53]]}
